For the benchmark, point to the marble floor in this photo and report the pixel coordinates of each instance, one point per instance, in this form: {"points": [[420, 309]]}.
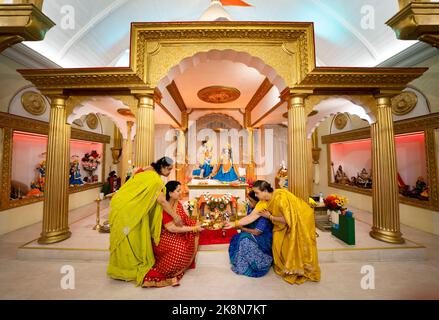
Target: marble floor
{"points": [[410, 271]]}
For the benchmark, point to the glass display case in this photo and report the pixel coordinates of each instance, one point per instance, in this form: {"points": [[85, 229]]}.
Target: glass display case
{"points": [[23, 159], [350, 161]]}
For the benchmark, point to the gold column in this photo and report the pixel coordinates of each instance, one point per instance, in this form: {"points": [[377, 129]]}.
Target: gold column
{"points": [[297, 148], [116, 150], [386, 225], [251, 165], [250, 170], [180, 165], [127, 153], [6, 171], [315, 157], [310, 164], [56, 201], [145, 131]]}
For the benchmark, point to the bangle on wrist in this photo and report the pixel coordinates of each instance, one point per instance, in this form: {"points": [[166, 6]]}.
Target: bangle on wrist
{"points": [[237, 226]]}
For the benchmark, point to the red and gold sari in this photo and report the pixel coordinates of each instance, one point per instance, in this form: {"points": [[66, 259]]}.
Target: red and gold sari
{"points": [[174, 254]]}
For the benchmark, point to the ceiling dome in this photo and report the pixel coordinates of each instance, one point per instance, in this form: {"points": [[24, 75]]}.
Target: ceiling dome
{"points": [[215, 12]]}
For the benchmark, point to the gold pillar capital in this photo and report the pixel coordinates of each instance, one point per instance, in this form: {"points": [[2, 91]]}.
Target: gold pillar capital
{"points": [[145, 101], [297, 101], [289, 93], [58, 100]]}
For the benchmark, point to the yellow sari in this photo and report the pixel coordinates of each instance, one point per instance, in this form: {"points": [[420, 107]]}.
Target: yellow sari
{"points": [[135, 220], [295, 255]]}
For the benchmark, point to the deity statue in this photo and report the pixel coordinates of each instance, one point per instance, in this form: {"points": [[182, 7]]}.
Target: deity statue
{"points": [[113, 183], [341, 177], [205, 167], [363, 179], [226, 171], [420, 191], [281, 179], [75, 174], [41, 179]]}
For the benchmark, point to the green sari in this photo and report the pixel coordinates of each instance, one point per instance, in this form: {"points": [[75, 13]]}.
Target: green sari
{"points": [[135, 220]]}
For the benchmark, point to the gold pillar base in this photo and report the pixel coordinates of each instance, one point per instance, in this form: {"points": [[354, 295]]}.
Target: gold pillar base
{"points": [[53, 237], [387, 236]]}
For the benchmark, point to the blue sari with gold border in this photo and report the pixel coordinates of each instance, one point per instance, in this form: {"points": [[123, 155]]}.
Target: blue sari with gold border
{"points": [[251, 255]]}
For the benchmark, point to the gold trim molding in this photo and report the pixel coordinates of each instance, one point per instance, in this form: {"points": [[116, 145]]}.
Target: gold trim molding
{"points": [[35, 126], [331, 80], [22, 22], [27, 201], [176, 96], [260, 93], [417, 20]]}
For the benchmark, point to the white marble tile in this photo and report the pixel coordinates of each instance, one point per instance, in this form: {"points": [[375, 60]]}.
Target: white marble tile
{"points": [[399, 274]]}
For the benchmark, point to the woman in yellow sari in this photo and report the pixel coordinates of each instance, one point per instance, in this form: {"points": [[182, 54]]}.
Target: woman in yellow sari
{"points": [[136, 220], [294, 238]]}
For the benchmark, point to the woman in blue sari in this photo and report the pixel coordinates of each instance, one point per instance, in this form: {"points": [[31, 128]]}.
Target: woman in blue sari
{"points": [[250, 251]]}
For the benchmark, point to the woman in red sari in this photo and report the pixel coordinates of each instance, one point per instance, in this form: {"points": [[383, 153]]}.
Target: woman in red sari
{"points": [[177, 248]]}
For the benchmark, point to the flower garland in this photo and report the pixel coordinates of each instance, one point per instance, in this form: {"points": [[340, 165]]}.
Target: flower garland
{"points": [[217, 203], [90, 161], [335, 202]]}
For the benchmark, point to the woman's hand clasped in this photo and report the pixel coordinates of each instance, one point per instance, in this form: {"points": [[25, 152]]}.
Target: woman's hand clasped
{"points": [[178, 221], [265, 214], [198, 227]]}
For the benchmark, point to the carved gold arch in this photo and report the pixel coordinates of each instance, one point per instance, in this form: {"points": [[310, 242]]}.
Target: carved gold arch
{"points": [[76, 100], [287, 47], [74, 104], [367, 102]]}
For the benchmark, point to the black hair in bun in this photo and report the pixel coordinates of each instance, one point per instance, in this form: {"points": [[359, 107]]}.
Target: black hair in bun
{"points": [[263, 186], [162, 163]]}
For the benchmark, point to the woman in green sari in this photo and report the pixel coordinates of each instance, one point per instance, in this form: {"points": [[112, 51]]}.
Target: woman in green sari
{"points": [[136, 220]]}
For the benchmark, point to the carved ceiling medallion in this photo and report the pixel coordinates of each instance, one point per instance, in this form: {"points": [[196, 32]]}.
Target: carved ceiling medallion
{"points": [[218, 94], [33, 103], [404, 103], [92, 121], [340, 121]]}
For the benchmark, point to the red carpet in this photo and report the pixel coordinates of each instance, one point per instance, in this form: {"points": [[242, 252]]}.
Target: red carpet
{"points": [[216, 236]]}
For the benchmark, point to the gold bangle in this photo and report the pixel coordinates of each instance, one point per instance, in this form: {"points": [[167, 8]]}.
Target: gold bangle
{"points": [[270, 217], [237, 226]]}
